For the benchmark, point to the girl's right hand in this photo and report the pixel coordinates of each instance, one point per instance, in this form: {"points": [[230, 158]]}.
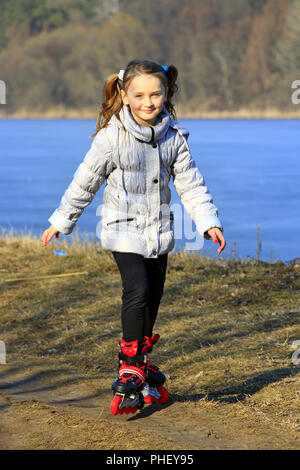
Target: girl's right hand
{"points": [[48, 234]]}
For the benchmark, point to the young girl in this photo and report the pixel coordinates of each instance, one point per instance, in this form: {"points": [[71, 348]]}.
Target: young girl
{"points": [[138, 146]]}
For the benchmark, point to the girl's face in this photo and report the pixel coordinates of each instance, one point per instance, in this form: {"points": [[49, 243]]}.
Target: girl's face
{"points": [[146, 97]]}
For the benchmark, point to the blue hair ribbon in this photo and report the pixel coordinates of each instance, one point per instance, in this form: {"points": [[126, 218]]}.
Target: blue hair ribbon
{"points": [[165, 67]]}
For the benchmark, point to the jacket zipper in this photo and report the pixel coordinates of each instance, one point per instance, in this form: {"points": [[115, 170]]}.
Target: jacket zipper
{"points": [[121, 220]]}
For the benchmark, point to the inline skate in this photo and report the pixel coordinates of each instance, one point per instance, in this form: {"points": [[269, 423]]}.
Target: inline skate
{"points": [[153, 390], [127, 389]]}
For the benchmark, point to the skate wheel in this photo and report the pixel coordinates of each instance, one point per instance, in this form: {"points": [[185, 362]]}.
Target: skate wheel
{"points": [[115, 405], [164, 395], [148, 399]]}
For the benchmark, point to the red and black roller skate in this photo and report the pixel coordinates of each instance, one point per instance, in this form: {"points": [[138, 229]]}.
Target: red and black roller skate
{"points": [[127, 389], [153, 390]]}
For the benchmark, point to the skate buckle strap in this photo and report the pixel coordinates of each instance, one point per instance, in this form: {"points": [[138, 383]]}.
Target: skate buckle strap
{"points": [[147, 346], [133, 371], [154, 339], [149, 342], [129, 349]]}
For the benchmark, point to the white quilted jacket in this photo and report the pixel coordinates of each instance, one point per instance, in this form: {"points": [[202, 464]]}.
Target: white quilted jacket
{"points": [[136, 162]]}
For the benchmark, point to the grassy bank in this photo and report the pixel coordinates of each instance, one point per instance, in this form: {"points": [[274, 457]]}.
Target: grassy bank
{"points": [[61, 112], [227, 327]]}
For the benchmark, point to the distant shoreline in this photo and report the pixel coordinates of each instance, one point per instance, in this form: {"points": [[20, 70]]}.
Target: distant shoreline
{"points": [[90, 113]]}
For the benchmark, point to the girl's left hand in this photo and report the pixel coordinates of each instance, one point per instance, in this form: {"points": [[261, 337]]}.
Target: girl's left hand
{"points": [[217, 237]]}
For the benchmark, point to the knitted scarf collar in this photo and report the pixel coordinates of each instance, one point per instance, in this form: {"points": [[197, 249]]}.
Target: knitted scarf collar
{"points": [[146, 134]]}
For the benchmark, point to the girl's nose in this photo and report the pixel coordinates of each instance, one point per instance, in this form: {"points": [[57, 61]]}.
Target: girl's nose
{"points": [[148, 102]]}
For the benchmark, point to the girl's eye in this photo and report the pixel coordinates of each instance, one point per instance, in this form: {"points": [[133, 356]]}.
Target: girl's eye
{"points": [[154, 94]]}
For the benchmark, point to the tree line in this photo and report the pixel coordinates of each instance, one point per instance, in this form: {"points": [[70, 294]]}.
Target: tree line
{"points": [[230, 54]]}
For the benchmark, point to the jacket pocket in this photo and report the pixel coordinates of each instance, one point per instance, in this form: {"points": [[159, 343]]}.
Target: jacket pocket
{"points": [[166, 221], [171, 221]]}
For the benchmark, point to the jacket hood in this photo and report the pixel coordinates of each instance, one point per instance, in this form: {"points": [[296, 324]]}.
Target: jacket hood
{"points": [[145, 133]]}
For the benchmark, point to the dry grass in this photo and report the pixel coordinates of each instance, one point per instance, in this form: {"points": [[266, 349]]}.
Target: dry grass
{"points": [[60, 112], [48, 427], [226, 326]]}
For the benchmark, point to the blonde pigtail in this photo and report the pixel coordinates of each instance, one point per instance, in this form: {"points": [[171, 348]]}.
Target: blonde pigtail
{"points": [[112, 102]]}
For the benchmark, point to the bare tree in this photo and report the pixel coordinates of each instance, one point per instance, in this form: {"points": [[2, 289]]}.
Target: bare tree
{"points": [[287, 51]]}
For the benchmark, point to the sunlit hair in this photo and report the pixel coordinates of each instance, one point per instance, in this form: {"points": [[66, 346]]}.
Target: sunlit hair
{"points": [[112, 89]]}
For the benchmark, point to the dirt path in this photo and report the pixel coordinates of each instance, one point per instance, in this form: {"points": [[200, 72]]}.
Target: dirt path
{"points": [[42, 408]]}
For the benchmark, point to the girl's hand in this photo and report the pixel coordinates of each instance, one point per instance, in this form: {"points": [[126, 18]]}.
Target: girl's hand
{"points": [[217, 237], [48, 234]]}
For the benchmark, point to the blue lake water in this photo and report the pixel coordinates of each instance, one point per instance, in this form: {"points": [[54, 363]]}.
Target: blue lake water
{"points": [[251, 167]]}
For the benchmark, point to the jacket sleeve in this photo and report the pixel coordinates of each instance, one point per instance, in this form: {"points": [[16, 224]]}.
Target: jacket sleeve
{"points": [[87, 179], [190, 186]]}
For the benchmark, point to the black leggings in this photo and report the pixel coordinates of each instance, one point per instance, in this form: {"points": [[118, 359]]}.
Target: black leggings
{"points": [[143, 284]]}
